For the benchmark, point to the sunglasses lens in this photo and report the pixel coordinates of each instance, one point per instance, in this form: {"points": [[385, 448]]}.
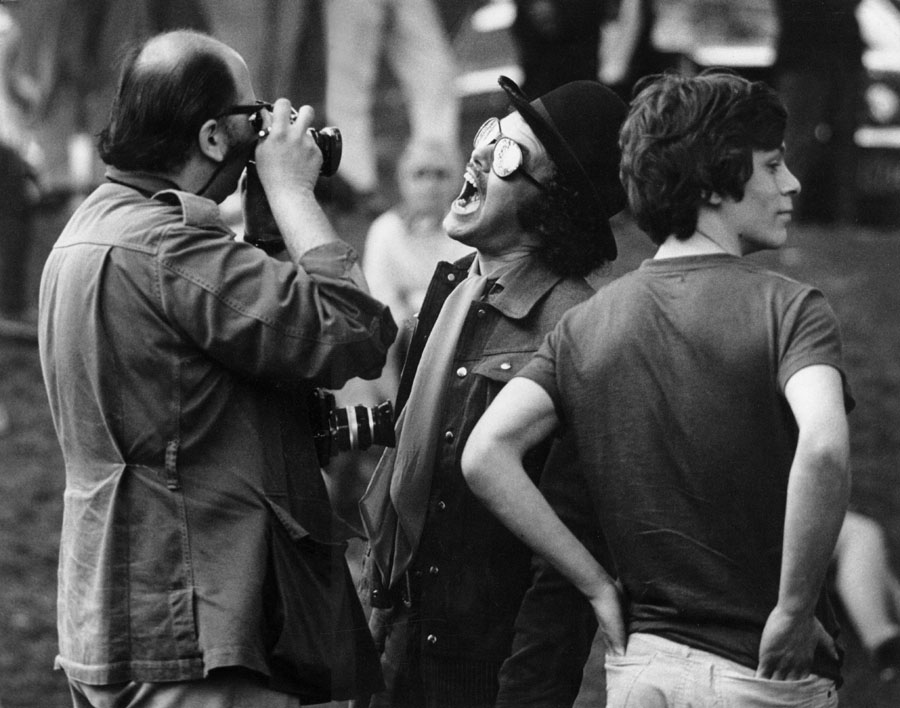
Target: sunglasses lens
{"points": [[507, 157], [487, 133]]}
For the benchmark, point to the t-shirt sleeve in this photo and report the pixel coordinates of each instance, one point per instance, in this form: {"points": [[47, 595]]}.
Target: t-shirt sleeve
{"points": [[542, 368], [809, 336]]}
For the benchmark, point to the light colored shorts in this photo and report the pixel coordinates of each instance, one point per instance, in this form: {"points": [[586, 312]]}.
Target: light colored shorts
{"points": [[659, 673]]}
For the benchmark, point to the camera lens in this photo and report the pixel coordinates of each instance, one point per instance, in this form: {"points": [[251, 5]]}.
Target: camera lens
{"points": [[330, 144], [360, 427]]}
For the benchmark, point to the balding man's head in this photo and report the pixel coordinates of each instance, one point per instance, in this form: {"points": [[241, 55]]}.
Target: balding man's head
{"points": [[167, 89]]}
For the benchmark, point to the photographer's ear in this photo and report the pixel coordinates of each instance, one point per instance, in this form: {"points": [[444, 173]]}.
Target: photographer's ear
{"points": [[212, 140]]}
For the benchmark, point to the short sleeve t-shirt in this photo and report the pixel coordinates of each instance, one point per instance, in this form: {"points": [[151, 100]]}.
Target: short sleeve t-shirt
{"points": [[672, 379]]}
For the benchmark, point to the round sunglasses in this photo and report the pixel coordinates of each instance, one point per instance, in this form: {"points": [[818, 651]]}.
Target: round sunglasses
{"points": [[507, 156]]}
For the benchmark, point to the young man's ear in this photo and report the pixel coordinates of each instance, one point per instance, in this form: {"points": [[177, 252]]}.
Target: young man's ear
{"points": [[711, 198], [211, 140]]}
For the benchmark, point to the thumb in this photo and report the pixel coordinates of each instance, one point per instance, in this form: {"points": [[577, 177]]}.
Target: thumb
{"points": [[826, 641]]}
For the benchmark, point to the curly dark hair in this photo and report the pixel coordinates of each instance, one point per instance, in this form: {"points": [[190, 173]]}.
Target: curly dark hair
{"points": [[570, 244], [160, 106], [686, 138]]}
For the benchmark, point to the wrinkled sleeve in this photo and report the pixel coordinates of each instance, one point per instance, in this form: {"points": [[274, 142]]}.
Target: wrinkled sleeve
{"points": [[555, 627], [312, 320], [808, 336]]}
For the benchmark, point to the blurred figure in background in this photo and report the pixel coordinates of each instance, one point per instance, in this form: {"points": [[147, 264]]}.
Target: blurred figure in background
{"points": [[418, 50], [626, 47], [404, 244], [558, 40], [819, 74]]}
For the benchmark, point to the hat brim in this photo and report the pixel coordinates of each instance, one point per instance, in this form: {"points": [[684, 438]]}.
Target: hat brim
{"points": [[565, 160]]}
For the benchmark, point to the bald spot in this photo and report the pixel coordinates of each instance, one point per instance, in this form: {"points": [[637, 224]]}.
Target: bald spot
{"points": [[166, 50]]}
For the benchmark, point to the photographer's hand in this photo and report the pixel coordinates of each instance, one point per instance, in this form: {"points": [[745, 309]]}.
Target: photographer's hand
{"points": [[287, 157], [288, 162]]}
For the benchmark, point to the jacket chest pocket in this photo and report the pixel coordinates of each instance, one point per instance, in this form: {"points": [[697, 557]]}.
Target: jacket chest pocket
{"points": [[498, 369]]}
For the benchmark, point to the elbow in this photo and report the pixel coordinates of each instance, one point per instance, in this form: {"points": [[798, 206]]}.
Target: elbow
{"points": [[831, 458], [475, 460]]}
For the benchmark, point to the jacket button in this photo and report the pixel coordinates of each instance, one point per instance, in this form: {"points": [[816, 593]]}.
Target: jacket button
{"points": [[434, 570], [505, 366], [448, 436], [431, 639], [462, 371], [481, 312], [441, 505], [451, 277]]}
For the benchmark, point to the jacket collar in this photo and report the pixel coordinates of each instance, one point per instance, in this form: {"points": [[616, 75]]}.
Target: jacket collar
{"points": [[147, 183], [519, 289]]}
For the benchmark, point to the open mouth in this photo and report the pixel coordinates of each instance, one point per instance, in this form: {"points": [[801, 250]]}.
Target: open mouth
{"points": [[469, 197]]}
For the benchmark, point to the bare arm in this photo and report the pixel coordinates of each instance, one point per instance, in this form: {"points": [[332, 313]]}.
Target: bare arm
{"points": [[288, 161], [818, 491], [520, 417]]}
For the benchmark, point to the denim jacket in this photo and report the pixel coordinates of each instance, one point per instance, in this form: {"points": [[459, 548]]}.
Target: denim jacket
{"points": [[470, 574], [178, 363]]}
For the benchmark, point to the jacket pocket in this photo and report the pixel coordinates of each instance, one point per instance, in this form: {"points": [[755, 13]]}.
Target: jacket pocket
{"points": [[498, 369]]}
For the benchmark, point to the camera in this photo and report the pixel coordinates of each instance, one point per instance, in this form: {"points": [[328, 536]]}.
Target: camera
{"points": [[260, 228], [331, 145], [348, 428]]}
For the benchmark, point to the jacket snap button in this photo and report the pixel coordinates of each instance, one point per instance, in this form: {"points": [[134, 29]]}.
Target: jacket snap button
{"points": [[448, 436], [481, 312], [506, 366], [451, 277], [462, 371], [441, 505], [433, 570], [431, 639]]}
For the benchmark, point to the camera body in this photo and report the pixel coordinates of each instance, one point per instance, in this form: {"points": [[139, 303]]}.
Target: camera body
{"points": [[349, 428], [259, 224], [331, 145]]}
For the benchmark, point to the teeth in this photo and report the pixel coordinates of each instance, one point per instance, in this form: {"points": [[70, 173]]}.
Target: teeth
{"points": [[469, 188], [469, 197]]}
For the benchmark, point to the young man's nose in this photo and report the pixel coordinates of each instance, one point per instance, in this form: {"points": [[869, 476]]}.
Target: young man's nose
{"points": [[481, 157], [790, 185]]}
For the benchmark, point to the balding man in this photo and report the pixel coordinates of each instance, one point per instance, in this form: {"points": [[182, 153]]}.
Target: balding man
{"points": [[197, 563]]}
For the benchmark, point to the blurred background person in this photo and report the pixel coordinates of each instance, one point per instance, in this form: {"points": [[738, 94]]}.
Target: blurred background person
{"points": [[415, 43], [819, 74], [626, 48], [404, 244]]}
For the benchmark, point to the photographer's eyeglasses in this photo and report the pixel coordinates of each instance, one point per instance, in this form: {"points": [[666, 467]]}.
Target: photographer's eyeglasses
{"points": [[507, 157], [253, 113]]}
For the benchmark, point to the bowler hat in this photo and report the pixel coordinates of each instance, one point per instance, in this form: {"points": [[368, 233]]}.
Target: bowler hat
{"points": [[578, 125]]}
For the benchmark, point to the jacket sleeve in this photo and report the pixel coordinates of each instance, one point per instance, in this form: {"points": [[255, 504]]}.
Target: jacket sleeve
{"points": [[555, 627], [313, 320]]}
